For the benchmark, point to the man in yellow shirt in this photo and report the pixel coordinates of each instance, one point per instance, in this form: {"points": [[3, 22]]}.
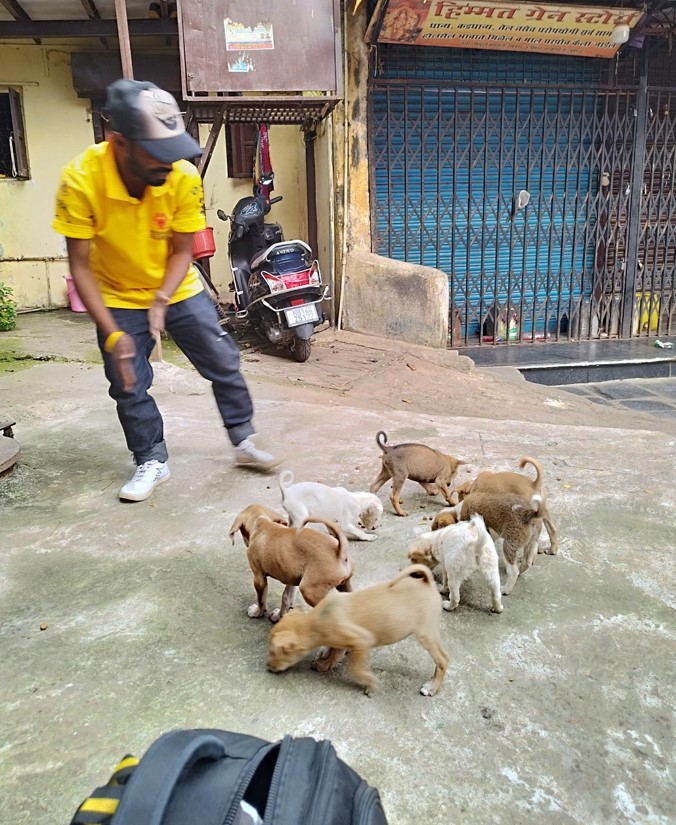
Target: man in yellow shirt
{"points": [[128, 208]]}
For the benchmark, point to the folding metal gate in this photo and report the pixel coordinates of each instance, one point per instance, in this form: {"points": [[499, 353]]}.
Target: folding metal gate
{"points": [[450, 151]]}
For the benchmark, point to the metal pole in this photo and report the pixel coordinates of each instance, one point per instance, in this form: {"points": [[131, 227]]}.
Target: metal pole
{"points": [[634, 230], [123, 35]]}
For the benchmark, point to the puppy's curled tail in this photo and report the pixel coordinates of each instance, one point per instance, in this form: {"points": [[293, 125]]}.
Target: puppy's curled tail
{"points": [[480, 524], [414, 571], [536, 505], [537, 481], [381, 440], [333, 528], [285, 481]]}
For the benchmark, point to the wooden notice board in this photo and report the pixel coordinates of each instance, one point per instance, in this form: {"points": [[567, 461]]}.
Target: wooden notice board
{"points": [[252, 46]]}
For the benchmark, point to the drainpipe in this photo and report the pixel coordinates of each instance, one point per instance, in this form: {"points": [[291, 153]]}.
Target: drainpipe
{"points": [[309, 137]]}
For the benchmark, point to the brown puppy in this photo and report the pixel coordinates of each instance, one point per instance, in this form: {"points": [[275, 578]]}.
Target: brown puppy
{"points": [[515, 520], [304, 558], [517, 484], [357, 622], [248, 515], [433, 470]]}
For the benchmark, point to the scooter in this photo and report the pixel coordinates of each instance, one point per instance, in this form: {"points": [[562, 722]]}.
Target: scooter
{"points": [[277, 284]]}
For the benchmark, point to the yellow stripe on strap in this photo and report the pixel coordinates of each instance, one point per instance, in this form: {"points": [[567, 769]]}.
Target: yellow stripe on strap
{"points": [[127, 762], [99, 805]]}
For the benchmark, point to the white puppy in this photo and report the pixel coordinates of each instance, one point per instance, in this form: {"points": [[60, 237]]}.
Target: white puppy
{"points": [[460, 549], [354, 513]]}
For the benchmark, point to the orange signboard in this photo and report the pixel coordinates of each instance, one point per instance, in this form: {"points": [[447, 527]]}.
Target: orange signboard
{"points": [[584, 31]]}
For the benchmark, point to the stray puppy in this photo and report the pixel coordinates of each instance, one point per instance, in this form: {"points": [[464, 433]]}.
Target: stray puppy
{"points": [[433, 470], [305, 559], [357, 622], [515, 520], [517, 484], [460, 549], [355, 513]]}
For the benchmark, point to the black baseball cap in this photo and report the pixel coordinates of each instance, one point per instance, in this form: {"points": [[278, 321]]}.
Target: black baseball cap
{"points": [[149, 116]]}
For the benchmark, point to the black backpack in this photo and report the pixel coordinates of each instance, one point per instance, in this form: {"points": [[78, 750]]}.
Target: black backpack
{"points": [[212, 777]]}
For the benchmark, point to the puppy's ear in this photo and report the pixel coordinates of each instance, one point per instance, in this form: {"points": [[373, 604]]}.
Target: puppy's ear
{"points": [[235, 527], [284, 642]]}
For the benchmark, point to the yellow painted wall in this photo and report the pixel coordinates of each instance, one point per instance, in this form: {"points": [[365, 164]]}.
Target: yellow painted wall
{"points": [[58, 127], [221, 192]]}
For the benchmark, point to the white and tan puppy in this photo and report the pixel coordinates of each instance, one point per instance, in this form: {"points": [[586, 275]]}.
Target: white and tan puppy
{"points": [[357, 514], [460, 549]]}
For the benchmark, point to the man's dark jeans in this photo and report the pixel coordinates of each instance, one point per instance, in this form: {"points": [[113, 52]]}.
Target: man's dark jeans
{"points": [[193, 325]]}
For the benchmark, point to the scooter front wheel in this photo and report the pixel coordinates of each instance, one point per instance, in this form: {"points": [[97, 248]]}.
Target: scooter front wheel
{"points": [[301, 349]]}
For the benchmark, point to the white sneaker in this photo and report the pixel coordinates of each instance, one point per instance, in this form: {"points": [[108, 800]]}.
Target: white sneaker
{"points": [[248, 455], [146, 478]]}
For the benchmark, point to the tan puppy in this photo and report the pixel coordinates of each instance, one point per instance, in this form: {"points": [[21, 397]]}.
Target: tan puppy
{"points": [[515, 521], [517, 484], [433, 470], [357, 622], [304, 558]]}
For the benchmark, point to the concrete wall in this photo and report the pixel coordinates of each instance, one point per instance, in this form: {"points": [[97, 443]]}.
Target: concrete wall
{"points": [[396, 300], [377, 295], [58, 126]]}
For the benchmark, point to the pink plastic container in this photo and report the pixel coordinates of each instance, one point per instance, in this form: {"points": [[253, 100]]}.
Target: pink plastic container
{"points": [[73, 298]]}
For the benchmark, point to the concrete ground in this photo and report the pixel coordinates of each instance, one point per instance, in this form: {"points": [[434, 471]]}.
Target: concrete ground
{"points": [[119, 622]]}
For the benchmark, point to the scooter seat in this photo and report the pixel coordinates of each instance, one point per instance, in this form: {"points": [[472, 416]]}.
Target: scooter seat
{"points": [[282, 248]]}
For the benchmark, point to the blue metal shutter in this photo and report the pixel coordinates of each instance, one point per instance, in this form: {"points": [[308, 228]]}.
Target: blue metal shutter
{"points": [[455, 135]]}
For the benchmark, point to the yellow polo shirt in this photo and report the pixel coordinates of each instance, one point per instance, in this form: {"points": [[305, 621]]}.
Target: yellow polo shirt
{"points": [[131, 238]]}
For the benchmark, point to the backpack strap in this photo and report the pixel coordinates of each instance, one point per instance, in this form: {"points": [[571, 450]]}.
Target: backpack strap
{"points": [[148, 792]]}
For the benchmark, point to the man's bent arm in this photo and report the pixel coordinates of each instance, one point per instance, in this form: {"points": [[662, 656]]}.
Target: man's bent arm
{"points": [[178, 262]]}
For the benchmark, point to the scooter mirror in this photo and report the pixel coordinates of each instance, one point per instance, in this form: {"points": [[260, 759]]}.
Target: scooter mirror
{"points": [[221, 214]]}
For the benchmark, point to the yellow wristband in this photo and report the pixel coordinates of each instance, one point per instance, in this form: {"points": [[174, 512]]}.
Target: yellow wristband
{"points": [[112, 339]]}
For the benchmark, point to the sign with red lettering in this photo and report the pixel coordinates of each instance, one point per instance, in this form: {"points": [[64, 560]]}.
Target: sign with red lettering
{"points": [[584, 31]]}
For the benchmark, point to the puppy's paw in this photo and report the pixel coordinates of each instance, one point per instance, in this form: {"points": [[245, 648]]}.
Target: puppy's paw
{"points": [[507, 589], [276, 615], [254, 612], [427, 689], [401, 513], [370, 537], [449, 605], [552, 551], [322, 665], [370, 689], [497, 607]]}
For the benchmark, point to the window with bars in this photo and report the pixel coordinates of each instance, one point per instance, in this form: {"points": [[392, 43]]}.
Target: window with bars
{"points": [[13, 152]]}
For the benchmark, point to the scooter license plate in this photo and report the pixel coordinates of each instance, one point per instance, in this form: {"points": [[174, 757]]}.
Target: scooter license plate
{"points": [[307, 313]]}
